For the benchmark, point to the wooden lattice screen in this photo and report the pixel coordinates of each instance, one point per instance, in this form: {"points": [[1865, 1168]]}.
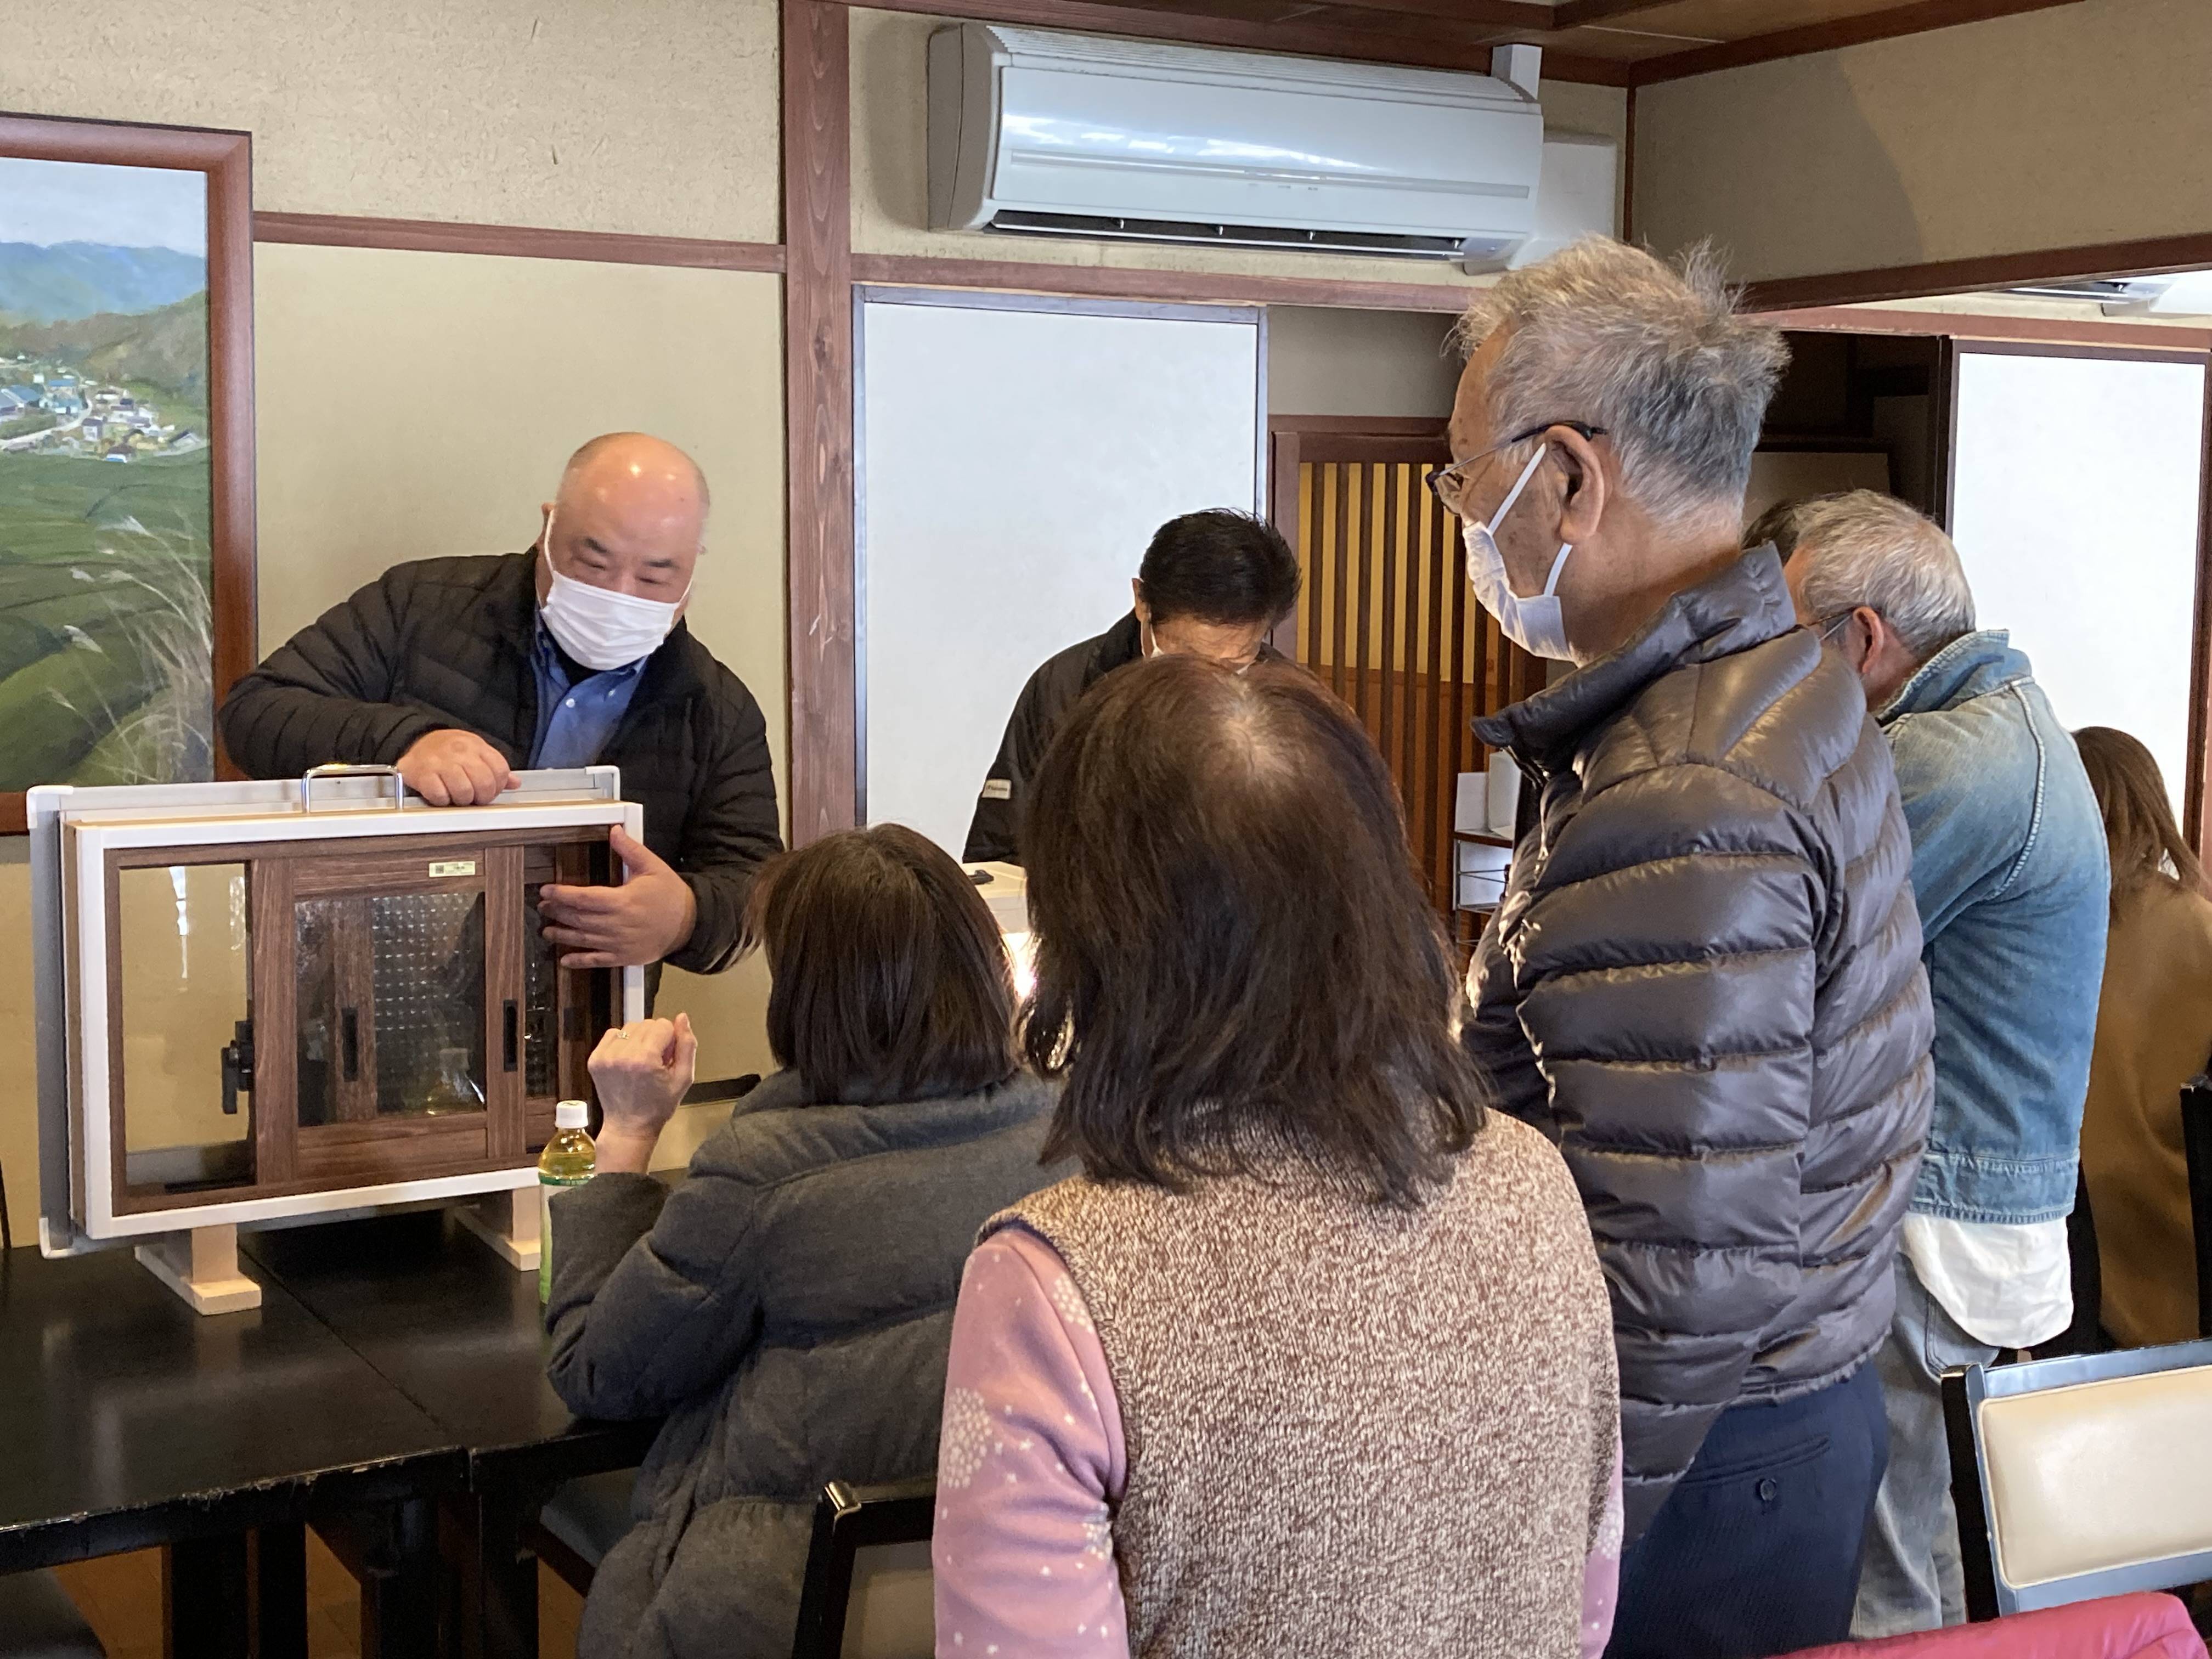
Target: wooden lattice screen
{"points": [[1385, 615]]}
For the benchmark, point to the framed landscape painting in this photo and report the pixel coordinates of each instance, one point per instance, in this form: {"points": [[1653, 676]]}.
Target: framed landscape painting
{"points": [[126, 449]]}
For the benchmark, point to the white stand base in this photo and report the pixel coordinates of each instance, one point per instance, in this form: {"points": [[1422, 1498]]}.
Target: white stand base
{"points": [[202, 1267], [508, 1222]]}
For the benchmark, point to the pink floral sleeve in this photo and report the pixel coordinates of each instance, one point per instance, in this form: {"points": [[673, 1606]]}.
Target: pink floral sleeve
{"points": [[1601, 1571], [1031, 1464]]}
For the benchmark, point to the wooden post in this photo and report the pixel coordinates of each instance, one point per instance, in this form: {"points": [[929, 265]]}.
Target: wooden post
{"points": [[202, 1267], [508, 1222]]}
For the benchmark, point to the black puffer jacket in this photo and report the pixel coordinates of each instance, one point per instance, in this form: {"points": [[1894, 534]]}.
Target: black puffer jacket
{"points": [[1705, 983], [447, 642], [994, 833], [789, 1309]]}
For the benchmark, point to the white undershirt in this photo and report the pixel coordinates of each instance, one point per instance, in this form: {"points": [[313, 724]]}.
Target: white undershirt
{"points": [[2009, 1285]]}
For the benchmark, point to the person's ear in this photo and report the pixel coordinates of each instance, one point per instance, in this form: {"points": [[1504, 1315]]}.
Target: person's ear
{"points": [[1868, 641], [1583, 489], [1137, 601]]}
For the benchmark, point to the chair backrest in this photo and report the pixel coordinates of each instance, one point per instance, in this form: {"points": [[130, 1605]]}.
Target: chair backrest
{"points": [[2197, 1142], [2081, 1477], [868, 1592]]}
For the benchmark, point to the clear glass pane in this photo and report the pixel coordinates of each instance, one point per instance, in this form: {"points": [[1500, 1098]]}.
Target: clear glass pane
{"points": [[392, 1013], [185, 966]]}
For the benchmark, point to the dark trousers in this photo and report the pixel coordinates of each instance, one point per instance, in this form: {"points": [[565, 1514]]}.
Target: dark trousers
{"points": [[1756, 1553]]}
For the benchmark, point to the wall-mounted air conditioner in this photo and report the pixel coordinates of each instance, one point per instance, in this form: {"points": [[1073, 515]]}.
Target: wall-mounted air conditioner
{"points": [[1043, 133]]}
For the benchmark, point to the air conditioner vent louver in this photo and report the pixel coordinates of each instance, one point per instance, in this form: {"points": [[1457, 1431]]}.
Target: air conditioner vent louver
{"points": [[1183, 230]]}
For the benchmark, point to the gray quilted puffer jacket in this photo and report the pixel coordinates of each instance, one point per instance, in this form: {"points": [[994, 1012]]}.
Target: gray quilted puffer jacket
{"points": [[1704, 983], [787, 1308]]}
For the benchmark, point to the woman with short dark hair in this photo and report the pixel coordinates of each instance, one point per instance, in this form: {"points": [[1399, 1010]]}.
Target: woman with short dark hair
{"points": [[2154, 1033], [787, 1307], [1314, 1357]]}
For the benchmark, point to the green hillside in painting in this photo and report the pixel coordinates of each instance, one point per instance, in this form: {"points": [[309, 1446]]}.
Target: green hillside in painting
{"points": [[105, 674], [164, 348]]}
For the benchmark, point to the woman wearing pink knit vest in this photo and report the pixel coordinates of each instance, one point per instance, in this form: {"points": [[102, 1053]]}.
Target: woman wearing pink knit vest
{"points": [[1315, 1357]]}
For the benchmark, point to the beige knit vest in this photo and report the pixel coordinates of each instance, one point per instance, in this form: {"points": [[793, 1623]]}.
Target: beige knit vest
{"points": [[1351, 1429]]}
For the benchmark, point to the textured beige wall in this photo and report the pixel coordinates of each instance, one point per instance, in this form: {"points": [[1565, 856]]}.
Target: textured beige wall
{"points": [[2076, 125], [413, 404], [653, 116], [1323, 362], [890, 176]]}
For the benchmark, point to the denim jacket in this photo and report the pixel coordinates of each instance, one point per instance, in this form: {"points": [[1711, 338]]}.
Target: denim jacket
{"points": [[2010, 867]]}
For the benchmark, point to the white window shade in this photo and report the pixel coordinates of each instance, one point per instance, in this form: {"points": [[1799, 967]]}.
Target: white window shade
{"points": [[1015, 459], [2076, 505]]}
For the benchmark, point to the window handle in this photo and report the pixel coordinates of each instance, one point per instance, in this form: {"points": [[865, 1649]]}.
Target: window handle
{"points": [[238, 1066]]}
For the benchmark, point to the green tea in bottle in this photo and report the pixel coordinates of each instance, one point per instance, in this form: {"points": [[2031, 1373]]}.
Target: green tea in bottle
{"points": [[568, 1161]]}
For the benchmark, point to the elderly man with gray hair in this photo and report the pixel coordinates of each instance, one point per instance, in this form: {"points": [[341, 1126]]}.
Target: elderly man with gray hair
{"points": [[1703, 980], [2008, 867]]}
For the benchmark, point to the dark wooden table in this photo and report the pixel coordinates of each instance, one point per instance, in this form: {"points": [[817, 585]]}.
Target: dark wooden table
{"points": [[459, 1332], [133, 1421]]}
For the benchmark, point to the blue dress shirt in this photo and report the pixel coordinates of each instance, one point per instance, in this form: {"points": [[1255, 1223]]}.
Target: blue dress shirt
{"points": [[576, 718]]}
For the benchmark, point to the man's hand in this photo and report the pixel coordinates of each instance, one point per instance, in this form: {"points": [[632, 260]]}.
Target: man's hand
{"points": [[453, 767], [638, 923], [642, 1072]]}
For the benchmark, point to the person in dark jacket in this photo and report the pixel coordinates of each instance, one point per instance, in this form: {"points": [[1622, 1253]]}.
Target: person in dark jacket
{"points": [[458, 671], [1212, 585], [1703, 980], [789, 1306]]}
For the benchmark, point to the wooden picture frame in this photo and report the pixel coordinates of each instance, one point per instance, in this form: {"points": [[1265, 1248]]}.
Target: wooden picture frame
{"points": [[129, 707]]}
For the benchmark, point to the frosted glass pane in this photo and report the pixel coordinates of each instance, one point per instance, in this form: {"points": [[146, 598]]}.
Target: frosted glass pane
{"points": [[2074, 505], [1014, 464]]}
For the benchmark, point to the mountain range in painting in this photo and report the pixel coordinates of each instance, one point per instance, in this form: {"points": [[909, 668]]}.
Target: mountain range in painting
{"points": [[65, 280]]}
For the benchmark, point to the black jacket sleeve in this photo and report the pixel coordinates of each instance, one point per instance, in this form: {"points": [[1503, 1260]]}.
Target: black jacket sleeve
{"points": [[730, 829], [994, 833], [324, 696]]}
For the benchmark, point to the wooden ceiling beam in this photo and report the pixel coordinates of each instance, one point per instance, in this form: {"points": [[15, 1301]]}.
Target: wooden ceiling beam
{"points": [[1402, 43], [1572, 14], [1502, 15], [1917, 18]]}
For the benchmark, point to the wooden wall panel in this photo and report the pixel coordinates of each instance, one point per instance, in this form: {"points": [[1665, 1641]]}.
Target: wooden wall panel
{"points": [[818, 412]]}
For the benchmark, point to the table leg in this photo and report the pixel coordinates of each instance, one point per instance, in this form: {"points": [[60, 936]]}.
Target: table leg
{"points": [[399, 1582], [205, 1602], [280, 1592], [505, 1624]]}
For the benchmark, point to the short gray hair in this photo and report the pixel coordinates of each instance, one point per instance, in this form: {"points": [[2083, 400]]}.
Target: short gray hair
{"points": [[1658, 355], [1860, 548]]}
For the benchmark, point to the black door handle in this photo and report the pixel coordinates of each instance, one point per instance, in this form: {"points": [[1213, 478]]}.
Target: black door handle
{"points": [[237, 1067], [510, 1039], [349, 1043]]}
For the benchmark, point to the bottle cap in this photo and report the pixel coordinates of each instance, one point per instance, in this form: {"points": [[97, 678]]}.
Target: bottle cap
{"points": [[572, 1115]]}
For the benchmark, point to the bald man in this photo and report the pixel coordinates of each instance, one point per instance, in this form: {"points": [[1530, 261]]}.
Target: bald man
{"points": [[572, 653]]}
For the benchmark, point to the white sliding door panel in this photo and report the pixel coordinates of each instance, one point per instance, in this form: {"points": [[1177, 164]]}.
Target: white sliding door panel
{"points": [[2075, 507], [1015, 459]]}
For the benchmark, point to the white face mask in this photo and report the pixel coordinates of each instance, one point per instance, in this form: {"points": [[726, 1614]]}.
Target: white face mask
{"points": [[1534, 623], [598, 627]]}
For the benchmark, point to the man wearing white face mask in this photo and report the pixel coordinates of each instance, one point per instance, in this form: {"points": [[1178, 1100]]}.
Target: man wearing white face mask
{"points": [[1703, 979], [461, 672]]}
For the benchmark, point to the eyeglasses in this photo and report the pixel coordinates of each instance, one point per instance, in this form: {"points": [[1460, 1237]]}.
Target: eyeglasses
{"points": [[1448, 484]]}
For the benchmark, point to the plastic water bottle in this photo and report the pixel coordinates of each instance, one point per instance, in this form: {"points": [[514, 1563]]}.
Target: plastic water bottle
{"points": [[569, 1160]]}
